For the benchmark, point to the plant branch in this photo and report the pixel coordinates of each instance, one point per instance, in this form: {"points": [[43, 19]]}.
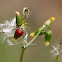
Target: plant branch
{"points": [[22, 53], [56, 58], [46, 24], [28, 44]]}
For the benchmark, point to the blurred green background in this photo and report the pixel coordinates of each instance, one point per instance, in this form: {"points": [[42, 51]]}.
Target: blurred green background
{"points": [[41, 10]]}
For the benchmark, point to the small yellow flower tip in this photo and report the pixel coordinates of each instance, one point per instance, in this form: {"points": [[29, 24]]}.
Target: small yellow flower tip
{"points": [[52, 18], [17, 13], [32, 35], [47, 43], [14, 40]]}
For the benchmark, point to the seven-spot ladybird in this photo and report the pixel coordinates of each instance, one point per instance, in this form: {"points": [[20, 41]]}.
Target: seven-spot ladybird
{"points": [[18, 33]]}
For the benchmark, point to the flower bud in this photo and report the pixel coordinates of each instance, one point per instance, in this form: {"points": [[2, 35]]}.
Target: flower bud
{"points": [[48, 36], [49, 22], [18, 19], [34, 33]]}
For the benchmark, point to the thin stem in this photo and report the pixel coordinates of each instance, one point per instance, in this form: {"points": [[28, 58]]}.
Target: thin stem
{"points": [[23, 49], [56, 58], [24, 30], [33, 38], [24, 20], [22, 53], [36, 36]]}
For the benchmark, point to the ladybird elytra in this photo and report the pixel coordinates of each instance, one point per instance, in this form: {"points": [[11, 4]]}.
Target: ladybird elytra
{"points": [[18, 33]]}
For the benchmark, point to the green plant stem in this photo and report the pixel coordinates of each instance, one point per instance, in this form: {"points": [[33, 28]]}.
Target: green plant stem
{"points": [[28, 44], [56, 58], [24, 20], [22, 53], [23, 49], [33, 39]]}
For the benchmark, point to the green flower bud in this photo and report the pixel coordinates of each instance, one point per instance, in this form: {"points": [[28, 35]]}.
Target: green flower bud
{"points": [[34, 33], [48, 35], [46, 24], [49, 22], [18, 19]]}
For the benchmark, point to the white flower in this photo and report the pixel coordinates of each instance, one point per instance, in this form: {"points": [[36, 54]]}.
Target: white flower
{"points": [[55, 50], [7, 30]]}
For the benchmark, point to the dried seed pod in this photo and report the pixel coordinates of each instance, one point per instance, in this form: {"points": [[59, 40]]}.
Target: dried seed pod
{"points": [[26, 11]]}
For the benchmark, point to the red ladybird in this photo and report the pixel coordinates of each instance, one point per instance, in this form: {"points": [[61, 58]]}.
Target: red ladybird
{"points": [[19, 32]]}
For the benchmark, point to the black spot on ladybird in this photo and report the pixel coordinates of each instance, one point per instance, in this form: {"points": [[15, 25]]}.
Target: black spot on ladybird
{"points": [[17, 32]]}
